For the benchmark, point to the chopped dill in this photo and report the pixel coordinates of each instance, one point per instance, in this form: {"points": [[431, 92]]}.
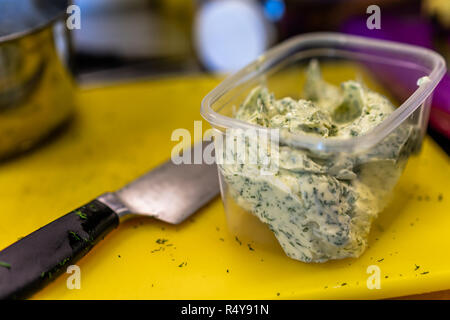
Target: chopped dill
{"points": [[81, 214], [161, 241]]}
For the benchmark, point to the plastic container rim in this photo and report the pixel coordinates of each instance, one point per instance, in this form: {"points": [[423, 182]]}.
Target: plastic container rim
{"points": [[367, 140]]}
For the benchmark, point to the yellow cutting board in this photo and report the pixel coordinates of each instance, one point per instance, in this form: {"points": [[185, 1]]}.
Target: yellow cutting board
{"points": [[122, 131]]}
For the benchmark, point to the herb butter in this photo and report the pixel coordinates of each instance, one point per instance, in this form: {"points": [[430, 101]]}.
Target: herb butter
{"points": [[320, 206]]}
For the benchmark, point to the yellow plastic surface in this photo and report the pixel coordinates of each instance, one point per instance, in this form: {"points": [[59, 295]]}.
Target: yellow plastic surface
{"points": [[122, 131]]}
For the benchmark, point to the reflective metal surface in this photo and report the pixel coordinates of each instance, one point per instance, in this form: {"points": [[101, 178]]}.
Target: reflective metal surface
{"points": [[36, 88], [21, 17], [170, 192]]}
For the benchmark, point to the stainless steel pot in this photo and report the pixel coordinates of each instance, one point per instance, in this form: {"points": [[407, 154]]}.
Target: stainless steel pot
{"points": [[36, 87]]}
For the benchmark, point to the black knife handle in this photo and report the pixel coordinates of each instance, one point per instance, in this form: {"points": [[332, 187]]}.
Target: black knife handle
{"points": [[33, 261]]}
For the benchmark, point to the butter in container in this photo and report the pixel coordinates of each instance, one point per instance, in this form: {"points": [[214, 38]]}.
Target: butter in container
{"points": [[309, 147]]}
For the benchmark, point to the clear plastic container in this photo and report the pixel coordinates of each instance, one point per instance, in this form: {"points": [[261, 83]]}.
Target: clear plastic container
{"points": [[341, 57]]}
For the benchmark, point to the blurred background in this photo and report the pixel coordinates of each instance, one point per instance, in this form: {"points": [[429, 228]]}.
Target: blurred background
{"points": [[166, 36], [121, 40]]}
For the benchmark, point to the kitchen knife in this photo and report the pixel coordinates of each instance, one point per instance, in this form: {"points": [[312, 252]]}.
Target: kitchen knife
{"points": [[169, 193]]}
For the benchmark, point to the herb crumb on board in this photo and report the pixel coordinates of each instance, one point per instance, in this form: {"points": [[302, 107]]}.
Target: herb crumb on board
{"points": [[5, 265]]}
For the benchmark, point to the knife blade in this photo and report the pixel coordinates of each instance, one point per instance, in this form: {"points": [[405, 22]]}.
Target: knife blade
{"points": [[170, 193]]}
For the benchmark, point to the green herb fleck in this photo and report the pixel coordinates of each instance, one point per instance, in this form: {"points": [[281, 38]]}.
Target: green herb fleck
{"points": [[416, 267], [81, 214], [250, 247], [62, 263], [5, 265], [161, 241], [426, 272], [344, 284], [238, 241], [75, 235], [380, 260]]}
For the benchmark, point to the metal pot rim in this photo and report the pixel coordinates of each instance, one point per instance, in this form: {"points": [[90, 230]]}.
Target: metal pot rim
{"points": [[48, 19]]}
